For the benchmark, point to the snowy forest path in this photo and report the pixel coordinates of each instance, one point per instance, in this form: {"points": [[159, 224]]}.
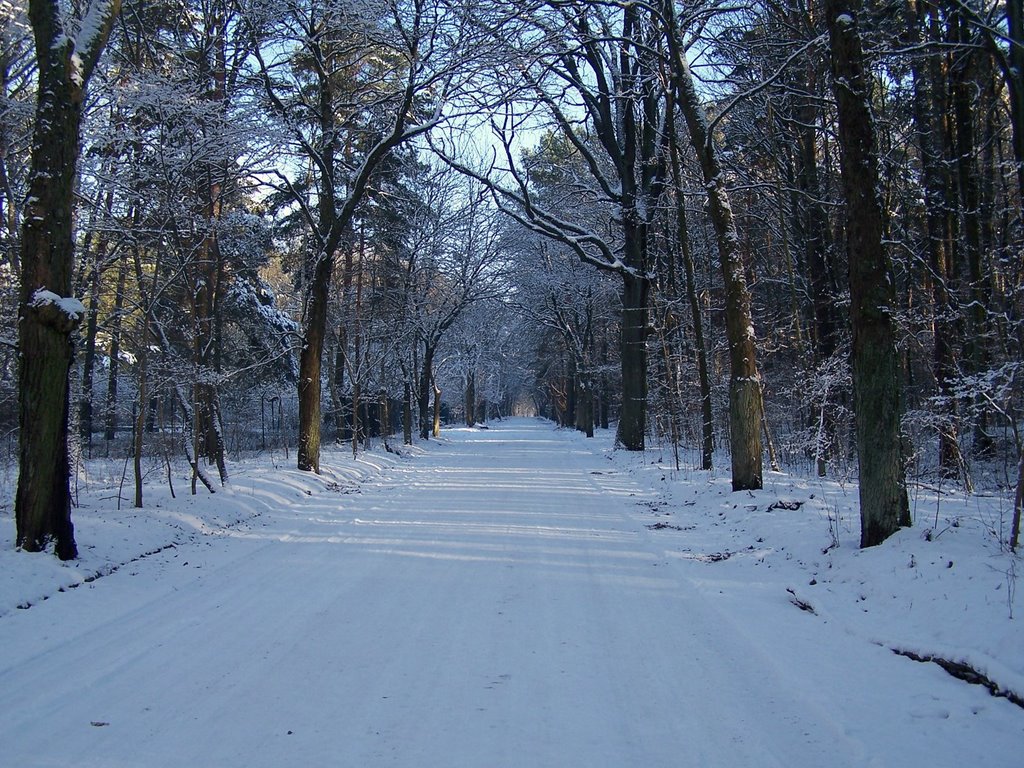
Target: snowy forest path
{"points": [[496, 602]]}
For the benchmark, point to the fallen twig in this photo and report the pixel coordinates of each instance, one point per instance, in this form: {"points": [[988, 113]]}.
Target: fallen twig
{"points": [[964, 671]]}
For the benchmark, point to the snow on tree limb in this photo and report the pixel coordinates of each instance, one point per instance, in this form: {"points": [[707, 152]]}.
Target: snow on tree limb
{"points": [[93, 35], [56, 311], [83, 51], [70, 306]]}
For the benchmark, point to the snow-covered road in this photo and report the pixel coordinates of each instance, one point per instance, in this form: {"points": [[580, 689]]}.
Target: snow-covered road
{"points": [[496, 602]]}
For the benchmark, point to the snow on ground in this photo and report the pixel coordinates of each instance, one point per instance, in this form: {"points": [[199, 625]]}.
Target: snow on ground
{"points": [[515, 596], [112, 534]]}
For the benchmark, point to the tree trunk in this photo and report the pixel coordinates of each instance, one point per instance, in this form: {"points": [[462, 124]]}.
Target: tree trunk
{"points": [[114, 358], [143, 367], [45, 328], [309, 364], [815, 237], [585, 403], [337, 382], [209, 271], [633, 353], [933, 181], [605, 387], [47, 317], [357, 421], [744, 379], [470, 404], [877, 397], [144, 324], [569, 387], [769, 442], [423, 404], [707, 426], [85, 406], [437, 411], [406, 409], [963, 96], [322, 263], [86, 409], [407, 415], [1015, 83], [385, 415], [209, 433], [815, 232], [1018, 501]]}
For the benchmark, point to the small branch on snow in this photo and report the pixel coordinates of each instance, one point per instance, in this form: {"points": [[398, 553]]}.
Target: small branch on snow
{"points": [[803, 605], [961, 670]]}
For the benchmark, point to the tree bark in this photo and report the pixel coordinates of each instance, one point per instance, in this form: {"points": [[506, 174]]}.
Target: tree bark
{"points": [[407, 396], [137, 441], [633, 354], [815, 233], [1018, 502], [815, 238], [46, 322], [358, 427], [209, 432], [437, 411], [877, 396], [744, 379], [144, 326], [337, 384], [322, 267], [470, 399], [385, 415], [208, 269], [604, 388], [1015, 83], [633, 358], [114, 358], [933, 180], [585, 404], [86, 409], [309, 364], [569, 388], [407, 415], [707, 426], [963, 99], [426, 377], [85, 405]]}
